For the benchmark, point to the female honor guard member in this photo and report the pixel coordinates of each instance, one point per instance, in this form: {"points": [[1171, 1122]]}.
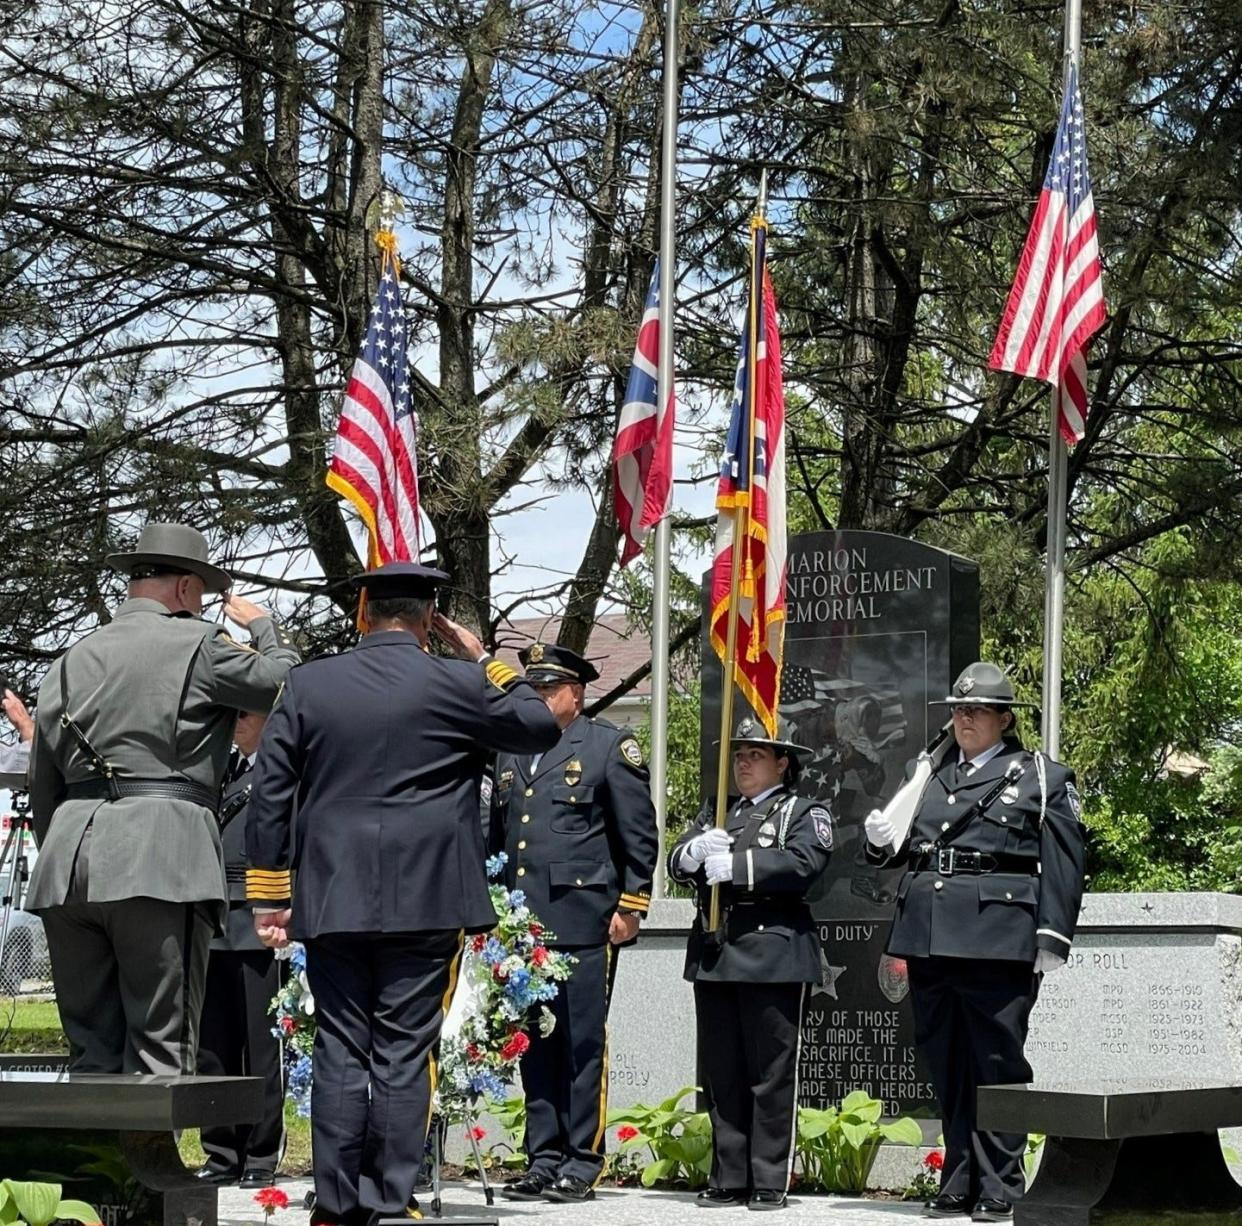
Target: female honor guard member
{"points": [[750, 978], [990, 903]]}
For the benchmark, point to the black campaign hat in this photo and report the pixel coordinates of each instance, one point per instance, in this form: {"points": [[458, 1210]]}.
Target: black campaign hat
{"points": [[546, 663], [175, 547], [399, 580], [981, 685]]}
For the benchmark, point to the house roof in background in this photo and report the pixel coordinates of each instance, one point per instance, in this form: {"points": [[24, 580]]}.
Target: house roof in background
{"points": [[615, 647]]}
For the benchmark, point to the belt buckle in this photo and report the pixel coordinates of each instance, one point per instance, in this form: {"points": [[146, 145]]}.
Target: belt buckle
{"points": [[944, 861]]}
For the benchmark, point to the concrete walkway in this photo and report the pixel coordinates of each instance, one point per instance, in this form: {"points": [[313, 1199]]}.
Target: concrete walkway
{"points": [[463, 1203]]}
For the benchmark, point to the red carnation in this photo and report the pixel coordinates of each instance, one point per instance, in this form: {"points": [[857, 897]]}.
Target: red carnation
{"points": [[499, 973], [627, 1132], [287, 1024], [934, 1161], [515, 1047], [478, 942], [478, 1133], [473, 1053], [271, 1199], [539, 955], [536, 930]]}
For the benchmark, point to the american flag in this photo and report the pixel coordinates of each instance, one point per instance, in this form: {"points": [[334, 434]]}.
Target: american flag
{"points": [[805, 690], [751, 493], [1057, 299], [374, 463], [642, 456]]}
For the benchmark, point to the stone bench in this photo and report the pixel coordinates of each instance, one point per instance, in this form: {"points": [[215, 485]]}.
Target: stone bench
{"points": [[110, 1139], [1120, 1146]]}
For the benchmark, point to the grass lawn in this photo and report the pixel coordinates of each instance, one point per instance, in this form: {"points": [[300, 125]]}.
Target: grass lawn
{"points": [[34, 1025]]}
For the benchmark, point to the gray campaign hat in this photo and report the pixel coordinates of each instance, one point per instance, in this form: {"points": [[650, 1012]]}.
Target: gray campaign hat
{"points": [[750, 731], [981, 685], [172, 547]]}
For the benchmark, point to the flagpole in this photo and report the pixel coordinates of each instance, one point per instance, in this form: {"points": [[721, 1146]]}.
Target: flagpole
{"points": [[1058, 493], [740, 538], [661, 595]]}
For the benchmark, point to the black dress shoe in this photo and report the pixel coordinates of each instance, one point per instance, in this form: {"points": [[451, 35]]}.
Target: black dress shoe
{"points": [[720, 1198], [766, 1198], [529, 1187], [254, 1178], [992, 1211], [948, 1206], [215, 1176], [568, 1189]]}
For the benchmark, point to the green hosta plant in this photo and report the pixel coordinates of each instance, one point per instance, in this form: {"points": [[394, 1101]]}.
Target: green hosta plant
{"points": [[678, 1140], [39, 1204], [837, 1146]]}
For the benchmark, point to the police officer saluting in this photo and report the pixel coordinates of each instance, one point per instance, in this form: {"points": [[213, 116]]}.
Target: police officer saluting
{"points": [[242, 978], [750, 977], [134, 725], [579, 829], [989, 903], [367, 788]]}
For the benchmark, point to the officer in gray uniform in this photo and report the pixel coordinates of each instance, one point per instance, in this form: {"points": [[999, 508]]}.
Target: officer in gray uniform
{"points": [[243, 975], [134, 725], [987, 906], [579, 829], [750, 976]]}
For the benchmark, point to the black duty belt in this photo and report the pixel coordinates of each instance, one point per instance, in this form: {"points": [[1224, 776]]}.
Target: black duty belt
{"points": [[119, 786], [948, 861]]}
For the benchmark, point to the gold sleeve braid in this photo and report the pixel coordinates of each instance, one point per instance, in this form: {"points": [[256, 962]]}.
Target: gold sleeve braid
{"points": [[500, 674], [269, 884], [635, 902]]}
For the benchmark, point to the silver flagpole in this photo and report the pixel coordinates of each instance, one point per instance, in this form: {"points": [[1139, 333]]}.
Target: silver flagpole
{"points": [[1058, 490], [660, 595]]}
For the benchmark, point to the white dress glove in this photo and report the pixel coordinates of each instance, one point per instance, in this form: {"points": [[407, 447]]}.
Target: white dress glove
{"points": [[880, 830], [703, 845], [719, 867], [1046, 960]]}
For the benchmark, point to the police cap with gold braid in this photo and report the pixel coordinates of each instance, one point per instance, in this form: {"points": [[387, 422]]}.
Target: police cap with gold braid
{"points": [[546, 664], [400, 581]]}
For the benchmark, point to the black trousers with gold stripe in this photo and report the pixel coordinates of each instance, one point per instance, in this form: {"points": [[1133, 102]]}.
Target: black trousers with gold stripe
{"points": [[380, 1001], [565, 1076]]}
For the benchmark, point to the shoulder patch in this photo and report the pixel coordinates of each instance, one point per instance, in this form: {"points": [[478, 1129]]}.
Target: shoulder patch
{"points": [[821, 822], [1075, 801], [631, 751]]}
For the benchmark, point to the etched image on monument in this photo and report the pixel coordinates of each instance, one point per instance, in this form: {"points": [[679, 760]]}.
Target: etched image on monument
{"points": [[877, 625]]}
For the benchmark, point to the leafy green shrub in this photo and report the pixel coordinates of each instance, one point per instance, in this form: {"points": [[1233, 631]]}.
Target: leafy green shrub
{"points": [[39, 1204], [836, 1147], [678, 1140]]}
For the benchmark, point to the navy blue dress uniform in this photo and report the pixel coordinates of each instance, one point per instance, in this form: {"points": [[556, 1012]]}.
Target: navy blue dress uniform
{"points": [[236, 1037], [367, 788], [579, 829], [750, 977], [994, 882]]}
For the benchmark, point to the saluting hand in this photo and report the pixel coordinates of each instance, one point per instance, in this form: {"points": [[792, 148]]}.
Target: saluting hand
{"points": [[458, 639], [272, 927], [242, 611], [19, 717]]}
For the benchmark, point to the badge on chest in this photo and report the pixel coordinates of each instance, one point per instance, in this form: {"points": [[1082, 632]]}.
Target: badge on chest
{"points": [[573, 773]]}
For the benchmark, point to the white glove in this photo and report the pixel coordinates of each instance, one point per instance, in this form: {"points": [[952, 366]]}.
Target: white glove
{"points": [[1046, 960], [880, 830], [719, 867], [703, 845]]}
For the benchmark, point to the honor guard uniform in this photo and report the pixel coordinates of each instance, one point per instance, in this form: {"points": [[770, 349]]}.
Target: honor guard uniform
{"points": [[579, 830], [243, 975], [133, 732], [988, 903], [750, 976], [364, 843]]}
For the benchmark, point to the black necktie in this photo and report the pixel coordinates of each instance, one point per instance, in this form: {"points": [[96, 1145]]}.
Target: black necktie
{"points": [[238, 767], [964, 771]]}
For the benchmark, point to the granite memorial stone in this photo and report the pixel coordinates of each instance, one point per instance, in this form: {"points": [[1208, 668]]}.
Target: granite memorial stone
{"points": [[877, 626]]}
